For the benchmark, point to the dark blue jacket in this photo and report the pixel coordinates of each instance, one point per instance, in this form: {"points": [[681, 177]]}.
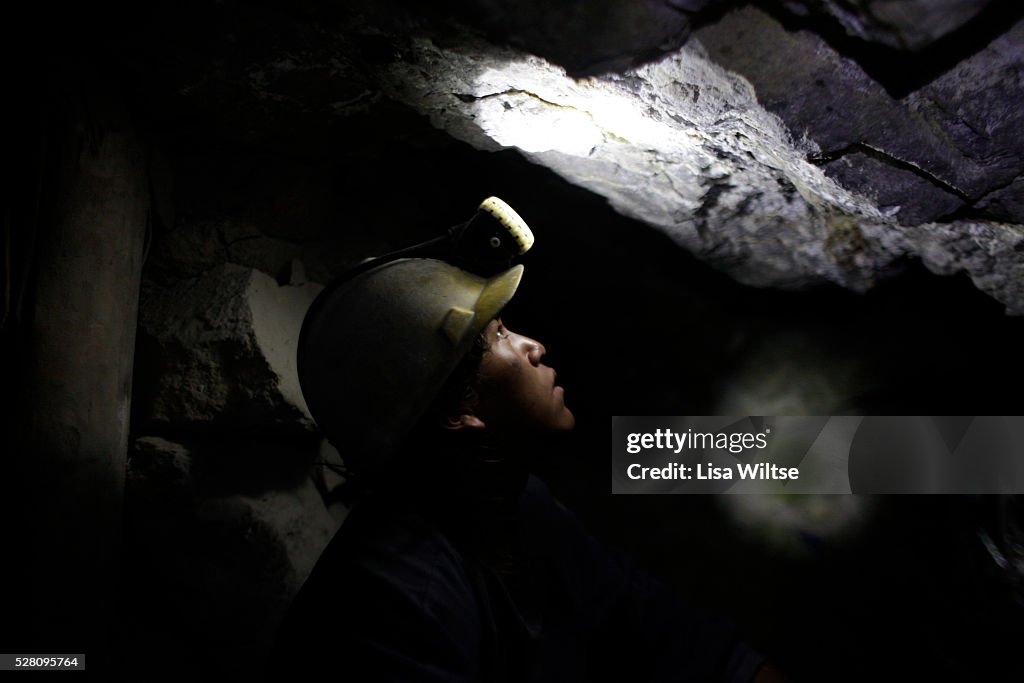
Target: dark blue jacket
{"points": [[410, 591]]}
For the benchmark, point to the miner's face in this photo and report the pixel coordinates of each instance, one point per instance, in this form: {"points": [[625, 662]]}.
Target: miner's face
{"points": [[516, 390]]}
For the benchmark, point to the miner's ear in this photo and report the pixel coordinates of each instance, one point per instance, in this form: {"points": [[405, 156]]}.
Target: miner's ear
{"points": [[458, 423]]}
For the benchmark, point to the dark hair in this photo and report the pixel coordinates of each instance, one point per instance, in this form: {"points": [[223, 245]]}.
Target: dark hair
{"points": [[457, 395], [460, 389]]}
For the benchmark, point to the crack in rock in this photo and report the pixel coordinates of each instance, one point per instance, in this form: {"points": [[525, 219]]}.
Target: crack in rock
{"points": [[887, 158], [659, 154]]}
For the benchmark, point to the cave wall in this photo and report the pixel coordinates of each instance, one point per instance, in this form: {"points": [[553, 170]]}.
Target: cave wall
{"points": [[788, 167], [748, 240]]}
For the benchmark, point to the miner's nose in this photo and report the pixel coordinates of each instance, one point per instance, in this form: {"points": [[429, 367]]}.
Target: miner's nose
{"points": [[534, 350]]}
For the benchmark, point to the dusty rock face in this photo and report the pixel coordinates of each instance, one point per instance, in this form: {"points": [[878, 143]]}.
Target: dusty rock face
{"points": [[680, 144], [157, 463], [976, 108], [773, 153], [687, 146], [866, 140], [940, 149], [220, 351], [907, 24]]}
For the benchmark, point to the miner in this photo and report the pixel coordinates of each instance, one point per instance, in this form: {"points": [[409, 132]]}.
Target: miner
{"points": [[456, 563]]}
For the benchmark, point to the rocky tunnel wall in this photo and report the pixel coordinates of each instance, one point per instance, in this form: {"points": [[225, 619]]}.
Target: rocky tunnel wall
{"points": [[784, 247]]}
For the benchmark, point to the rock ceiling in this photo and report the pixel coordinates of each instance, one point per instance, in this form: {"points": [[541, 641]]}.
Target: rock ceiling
{"points": [[786, 143]]}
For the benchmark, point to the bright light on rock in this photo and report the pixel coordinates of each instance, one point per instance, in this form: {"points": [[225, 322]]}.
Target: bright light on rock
{"points": [[684, 146], [541, 110], [518, 120]]}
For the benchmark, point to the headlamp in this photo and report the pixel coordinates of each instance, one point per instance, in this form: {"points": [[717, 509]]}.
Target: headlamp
{"points": [[484, 245], [487, 242]]}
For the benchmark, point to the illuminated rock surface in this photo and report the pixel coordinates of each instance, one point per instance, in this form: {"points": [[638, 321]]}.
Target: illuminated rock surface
{"points": [[686, 146], [787, 144]]}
